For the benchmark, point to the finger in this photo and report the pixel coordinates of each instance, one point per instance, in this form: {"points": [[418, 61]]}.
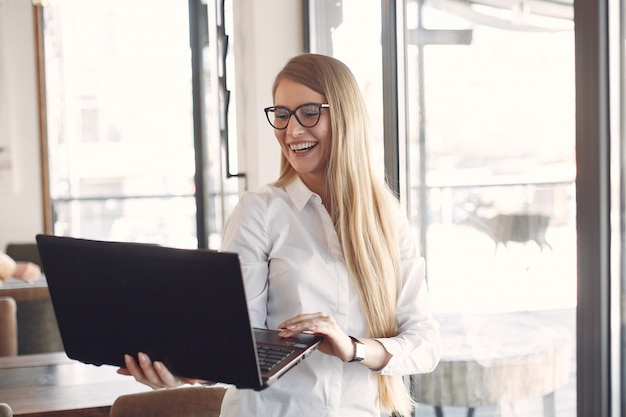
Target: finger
{"points": [[132, 367], [141, 370], [295, 321], [318, 323], [147, 367], [168, 380], [193, 381]]}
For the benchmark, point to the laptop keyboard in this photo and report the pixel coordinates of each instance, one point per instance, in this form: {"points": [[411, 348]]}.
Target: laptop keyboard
{"points": [[270, 356]]}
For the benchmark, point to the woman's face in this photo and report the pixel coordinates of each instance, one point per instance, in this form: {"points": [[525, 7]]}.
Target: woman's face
{"points": [[306, 149]]}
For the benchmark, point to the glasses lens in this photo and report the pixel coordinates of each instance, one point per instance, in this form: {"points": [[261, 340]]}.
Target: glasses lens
{"points": [[279, 117], [308, 114]]}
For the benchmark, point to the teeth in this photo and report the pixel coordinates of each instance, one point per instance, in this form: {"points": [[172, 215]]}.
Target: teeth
{"points": [[298, 147]]}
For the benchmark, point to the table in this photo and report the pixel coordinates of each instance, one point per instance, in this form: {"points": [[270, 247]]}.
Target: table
{"points": [[51, 384], [495, 359], [23, 291]]}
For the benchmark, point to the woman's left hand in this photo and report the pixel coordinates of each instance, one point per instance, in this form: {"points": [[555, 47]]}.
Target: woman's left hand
{"points": [[335, 343], [153, 374]]}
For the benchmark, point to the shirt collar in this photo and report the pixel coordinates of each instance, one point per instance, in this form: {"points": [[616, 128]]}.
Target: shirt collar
{"points": [[299, 193]]}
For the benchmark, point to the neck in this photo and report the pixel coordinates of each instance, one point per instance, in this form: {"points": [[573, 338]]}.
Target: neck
{"points": [[317, 184]]}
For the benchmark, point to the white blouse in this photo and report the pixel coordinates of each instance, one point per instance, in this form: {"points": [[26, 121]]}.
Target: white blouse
{"points": [[292, 263]]}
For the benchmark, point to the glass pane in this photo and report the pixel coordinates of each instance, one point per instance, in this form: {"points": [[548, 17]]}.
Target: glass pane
{"points": [[490, 116], [495, 88], [119, 118], [337, 28]]}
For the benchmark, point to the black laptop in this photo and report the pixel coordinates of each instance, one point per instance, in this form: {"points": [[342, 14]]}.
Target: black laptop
{"points": [[186, 308]]}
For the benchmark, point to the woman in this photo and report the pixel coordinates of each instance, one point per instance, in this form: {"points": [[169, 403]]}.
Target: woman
{"points": [[326, 249]]}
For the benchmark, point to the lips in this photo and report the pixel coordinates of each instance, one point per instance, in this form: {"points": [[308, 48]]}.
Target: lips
{"points": [[302, 147]]}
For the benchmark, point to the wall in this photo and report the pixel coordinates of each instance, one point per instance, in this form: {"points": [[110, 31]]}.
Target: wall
{"points": [[257, 26], [21, 214], [261, 26]]}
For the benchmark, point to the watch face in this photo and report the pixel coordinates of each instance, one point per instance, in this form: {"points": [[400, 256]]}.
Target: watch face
{"points": [[359, 350]]}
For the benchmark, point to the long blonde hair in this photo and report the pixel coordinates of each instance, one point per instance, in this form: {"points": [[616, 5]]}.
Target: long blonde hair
{"points": [[366, 213]]}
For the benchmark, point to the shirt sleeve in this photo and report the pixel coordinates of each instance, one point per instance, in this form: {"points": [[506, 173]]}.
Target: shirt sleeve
{"points": [[417, 347], [245, 233]]}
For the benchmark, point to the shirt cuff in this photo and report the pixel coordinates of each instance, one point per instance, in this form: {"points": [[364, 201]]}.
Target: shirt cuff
{"points": [[405, 361]]}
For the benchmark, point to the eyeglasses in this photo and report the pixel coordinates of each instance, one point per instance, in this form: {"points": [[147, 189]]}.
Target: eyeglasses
{"points": [[308, 115]]}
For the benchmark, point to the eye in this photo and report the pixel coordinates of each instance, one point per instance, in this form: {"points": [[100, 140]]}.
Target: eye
{"points": [[281, 113], [309, 111]]}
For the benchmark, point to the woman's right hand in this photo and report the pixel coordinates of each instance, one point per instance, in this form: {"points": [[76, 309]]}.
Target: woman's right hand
{"points": [[153, 374]]}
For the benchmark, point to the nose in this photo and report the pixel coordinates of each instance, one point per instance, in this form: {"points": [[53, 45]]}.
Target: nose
{"points": [[294, 128]]}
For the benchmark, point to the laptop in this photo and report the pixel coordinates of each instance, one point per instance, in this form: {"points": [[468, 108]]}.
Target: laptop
{"points": [[185, 308]]}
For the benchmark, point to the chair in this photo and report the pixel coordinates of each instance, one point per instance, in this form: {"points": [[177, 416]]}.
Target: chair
{"points": [[8, 328], [179, 402], [37, 328], [5, 410]]}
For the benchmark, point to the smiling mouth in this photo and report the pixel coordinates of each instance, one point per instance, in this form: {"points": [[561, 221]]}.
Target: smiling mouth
{"points": [[302, 147]]}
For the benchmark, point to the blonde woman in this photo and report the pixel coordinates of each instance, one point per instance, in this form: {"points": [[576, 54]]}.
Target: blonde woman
{"points": [[326, 249]]}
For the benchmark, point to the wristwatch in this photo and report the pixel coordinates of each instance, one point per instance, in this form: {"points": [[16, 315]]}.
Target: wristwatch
{"points": [[359, 350]]}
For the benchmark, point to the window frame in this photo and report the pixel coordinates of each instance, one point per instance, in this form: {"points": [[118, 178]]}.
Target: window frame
{"points": [[593, 206]]}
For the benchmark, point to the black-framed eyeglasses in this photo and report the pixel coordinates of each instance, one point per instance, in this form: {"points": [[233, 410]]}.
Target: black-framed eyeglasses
{"points": [[308, 115]]}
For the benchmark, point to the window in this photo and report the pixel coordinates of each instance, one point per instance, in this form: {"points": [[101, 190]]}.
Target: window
{"points": [[135, 126], [483, 139]]}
